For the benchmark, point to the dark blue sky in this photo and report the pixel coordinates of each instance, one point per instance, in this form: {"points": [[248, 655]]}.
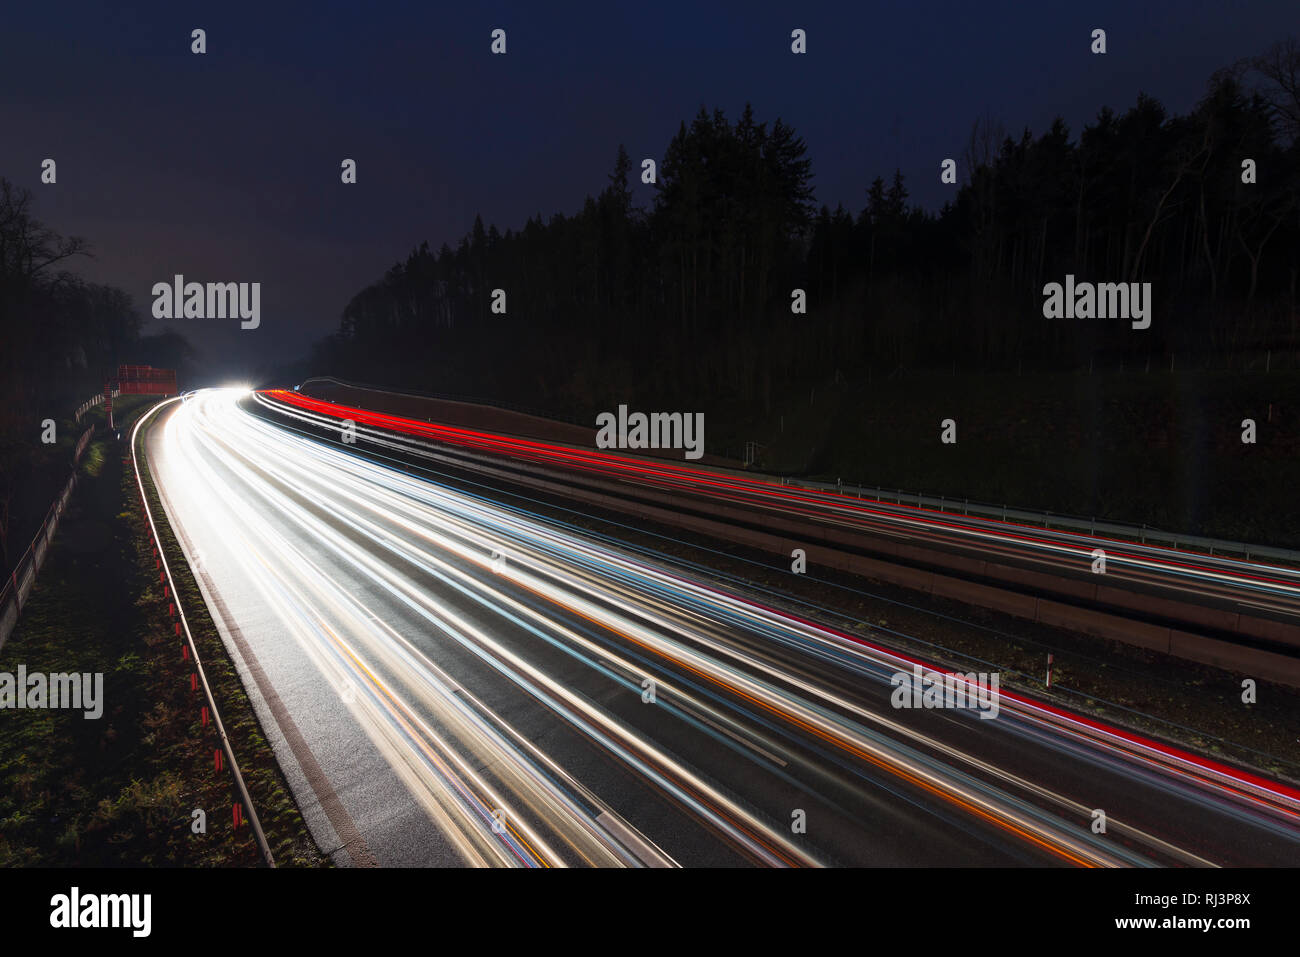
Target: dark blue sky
{"points": [[225, 167]]}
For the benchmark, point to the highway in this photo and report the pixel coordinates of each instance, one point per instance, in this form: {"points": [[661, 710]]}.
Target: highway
{"points": [[1253, 600], [448, 680]]}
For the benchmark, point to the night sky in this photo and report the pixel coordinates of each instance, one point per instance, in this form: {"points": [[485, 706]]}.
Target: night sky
{"points": [[225, 167]]}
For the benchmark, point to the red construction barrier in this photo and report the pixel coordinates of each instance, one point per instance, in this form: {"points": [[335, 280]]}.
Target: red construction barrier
{"points": [[146, 380]]}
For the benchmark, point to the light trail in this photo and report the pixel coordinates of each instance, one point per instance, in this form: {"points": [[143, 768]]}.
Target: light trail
{"points": [[1180, 571], [461, 636]]}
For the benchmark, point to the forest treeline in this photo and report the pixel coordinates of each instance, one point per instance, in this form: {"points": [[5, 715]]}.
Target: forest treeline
{"points": [[690, 299], [60, 338]]}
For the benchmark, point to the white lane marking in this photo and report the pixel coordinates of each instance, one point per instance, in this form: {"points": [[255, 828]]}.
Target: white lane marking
{"points": [[629, 837], [745, 741]]}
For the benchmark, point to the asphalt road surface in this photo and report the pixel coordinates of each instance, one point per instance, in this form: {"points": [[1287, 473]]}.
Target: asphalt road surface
{"points": [[447, 680]]}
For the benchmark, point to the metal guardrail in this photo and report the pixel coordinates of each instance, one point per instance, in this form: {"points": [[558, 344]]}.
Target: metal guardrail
{"points": [[722, 452], [960, 506], [90, 404], [729, 453], [87, 406], [22, 579], [452, 397], [1141, 533], [253, 820]]}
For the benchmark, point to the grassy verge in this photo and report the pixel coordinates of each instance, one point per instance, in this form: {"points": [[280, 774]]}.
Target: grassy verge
{"points": [[122, 789]]}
